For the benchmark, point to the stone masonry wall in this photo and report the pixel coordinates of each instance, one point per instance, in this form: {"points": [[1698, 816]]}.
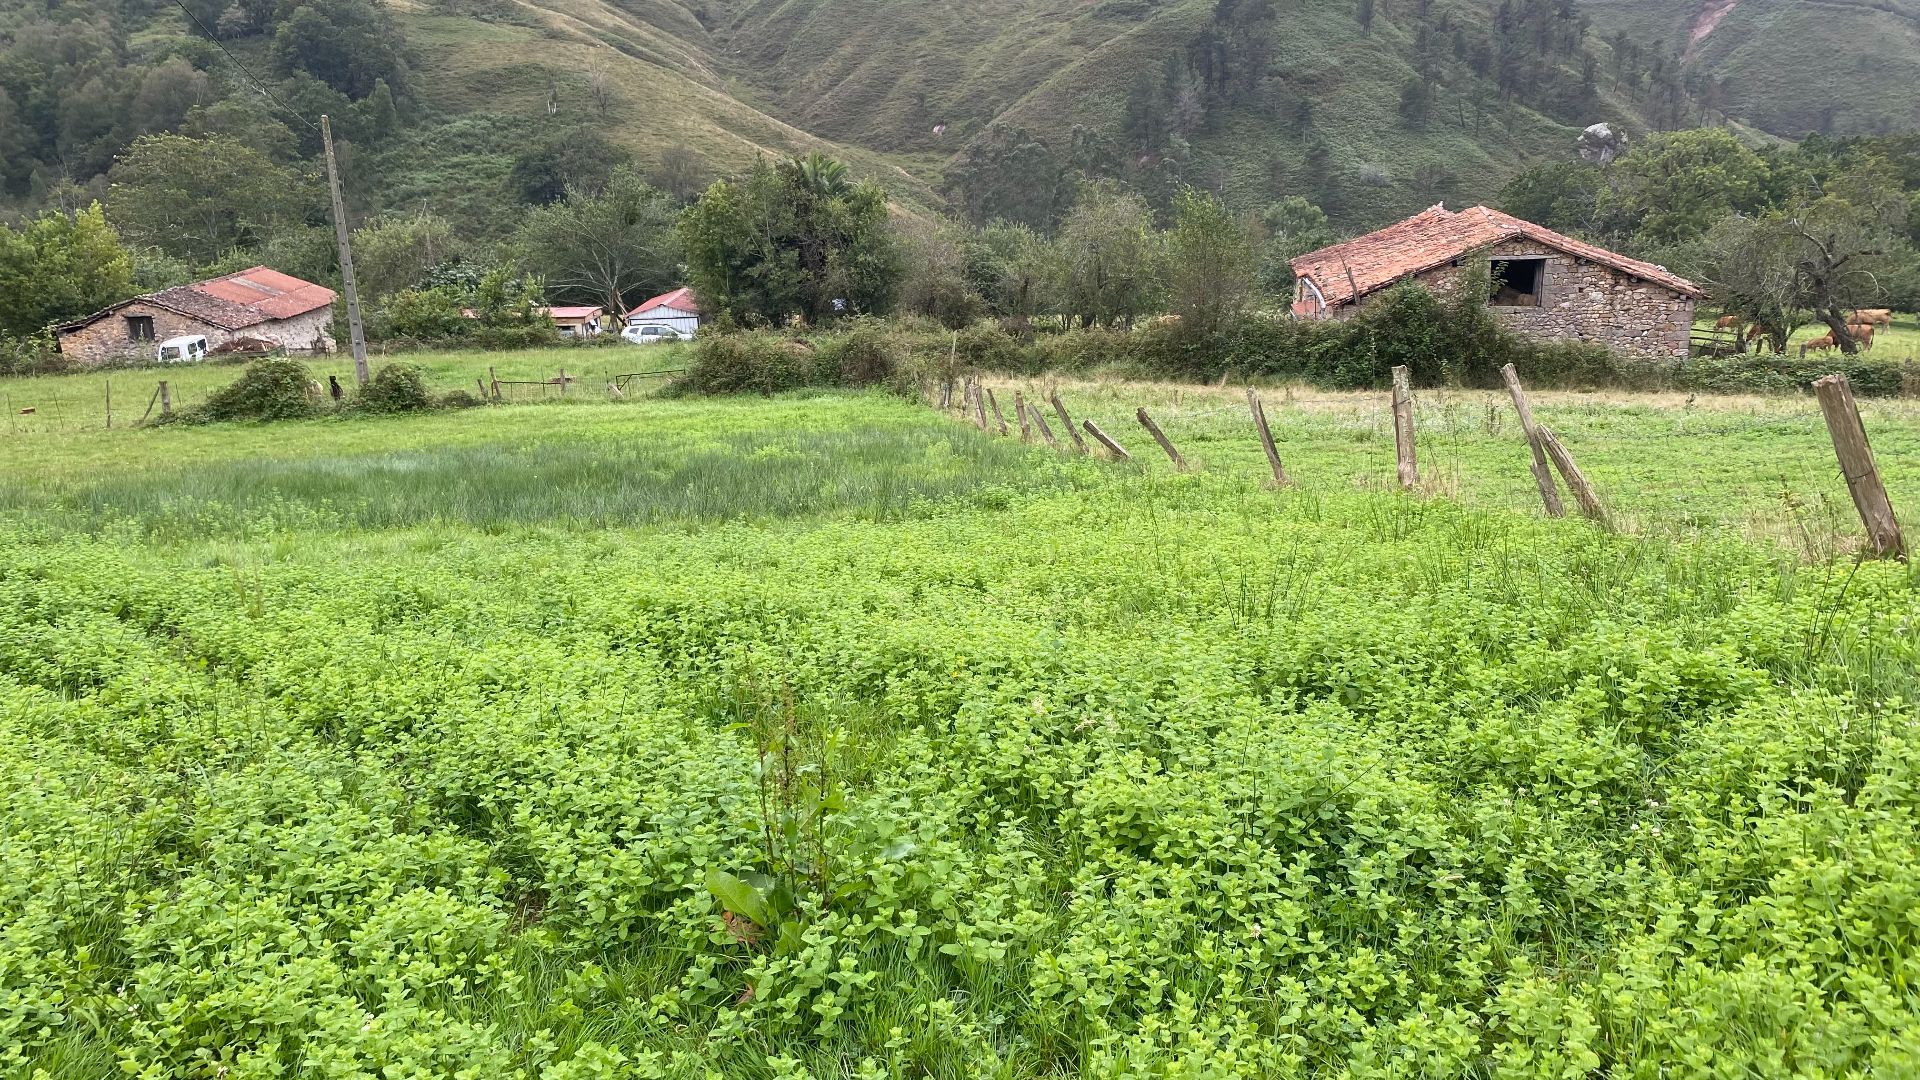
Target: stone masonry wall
{"points": [[107, 339], [1584, 301]]}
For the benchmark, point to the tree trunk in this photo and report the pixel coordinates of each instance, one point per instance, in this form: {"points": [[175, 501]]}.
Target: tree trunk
{"points": [[1836, 322]]}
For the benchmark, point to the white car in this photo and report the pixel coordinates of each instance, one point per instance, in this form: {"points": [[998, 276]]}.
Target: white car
{"points": [[652, 334], [183, 350]]}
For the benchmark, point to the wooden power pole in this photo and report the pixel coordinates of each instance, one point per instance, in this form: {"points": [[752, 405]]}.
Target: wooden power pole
{"points": [[355, 327]]}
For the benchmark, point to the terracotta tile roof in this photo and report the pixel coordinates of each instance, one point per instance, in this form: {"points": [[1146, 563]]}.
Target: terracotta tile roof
{"points": [[233, 302], [574, 312], [1436, 236], [681, 299]]}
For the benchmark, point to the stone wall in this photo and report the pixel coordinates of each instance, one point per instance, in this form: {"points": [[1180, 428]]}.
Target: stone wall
{"points": [[1585, 301], [107, 337]]}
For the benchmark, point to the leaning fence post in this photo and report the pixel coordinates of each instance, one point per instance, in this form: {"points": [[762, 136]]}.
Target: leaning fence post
{"points": [[979, 405], [495, 381], [998, 416], [1160, 437], [1850, 445], [1583, 493], [1020, 414], [1266, 438], [1403, 427], [1105, 440], [1073, 433], [166, 399], [1542, 472], [1040, 421]]}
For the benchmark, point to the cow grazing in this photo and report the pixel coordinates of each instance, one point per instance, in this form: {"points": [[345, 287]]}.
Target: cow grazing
{"points": [[1819, 344], [1727, 322], [1862, 334], [1757, 337], [1873, 316]]}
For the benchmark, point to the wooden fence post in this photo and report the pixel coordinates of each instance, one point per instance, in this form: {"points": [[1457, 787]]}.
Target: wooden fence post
{"points": [[1266, 438], [1160, 437], [1073, 433], [495, 380], [1857, 465], [979, 406], [1040, 421], [1403, 428], [1542, 471], [166, 399], [1118, 451], [109, 404], [998, 416], [1583, 493], [1020, 413]]}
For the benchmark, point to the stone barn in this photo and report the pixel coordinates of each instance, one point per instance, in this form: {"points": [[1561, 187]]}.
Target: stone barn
{"points": [[1543, 284], [258, 304]]}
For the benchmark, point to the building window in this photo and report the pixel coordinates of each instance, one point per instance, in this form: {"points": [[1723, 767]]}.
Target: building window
{"points": [[139, 328], [1516, 282]]}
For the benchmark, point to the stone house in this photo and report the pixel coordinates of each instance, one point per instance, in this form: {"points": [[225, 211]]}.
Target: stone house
{"points": [[259, 305], [1543, 284]]}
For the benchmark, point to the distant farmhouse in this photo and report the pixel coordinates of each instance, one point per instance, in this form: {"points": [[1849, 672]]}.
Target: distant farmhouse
{"points": [[677, 309], [575, 321], [259, 304], [1544, 285]]}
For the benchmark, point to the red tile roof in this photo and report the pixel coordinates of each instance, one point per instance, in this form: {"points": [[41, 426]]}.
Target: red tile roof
{"points": [[575, 312], [234, 302], [680, 299], [1437, 236]]}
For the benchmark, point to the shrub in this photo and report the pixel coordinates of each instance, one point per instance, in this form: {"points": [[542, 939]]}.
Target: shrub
{"points": [[758, 362], [1792, 375], [396, 388], [1083, 350], [274, 388], [988, 347], [868, 354]]}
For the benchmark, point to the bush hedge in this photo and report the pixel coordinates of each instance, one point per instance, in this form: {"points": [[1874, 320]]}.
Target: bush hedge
{"points": [[274, 388]]}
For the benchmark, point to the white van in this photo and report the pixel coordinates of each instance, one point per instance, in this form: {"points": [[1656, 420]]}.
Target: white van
{"points": [[183, 350]]}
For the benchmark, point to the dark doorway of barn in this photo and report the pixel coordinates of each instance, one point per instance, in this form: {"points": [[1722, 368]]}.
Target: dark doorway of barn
{"points": [[1516, 282]]}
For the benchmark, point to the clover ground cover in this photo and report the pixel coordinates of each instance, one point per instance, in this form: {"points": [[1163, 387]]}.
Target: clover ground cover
{"points": [[827, 737]]}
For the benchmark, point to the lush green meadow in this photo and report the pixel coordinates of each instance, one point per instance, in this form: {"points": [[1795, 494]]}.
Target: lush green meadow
{"points": [[826, 736]]}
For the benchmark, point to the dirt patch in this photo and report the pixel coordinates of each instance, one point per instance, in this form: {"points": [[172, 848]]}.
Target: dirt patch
{"points": [[1706, 21]]}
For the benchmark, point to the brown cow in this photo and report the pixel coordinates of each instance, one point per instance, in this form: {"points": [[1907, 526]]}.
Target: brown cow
{"points": [[1819, 344], [1862, 334], [1727, 322], [1757, 338], [1873, 316]]}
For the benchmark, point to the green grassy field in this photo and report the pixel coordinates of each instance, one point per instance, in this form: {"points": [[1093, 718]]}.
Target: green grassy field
{"points": [[1901, 341], [826, 736]]}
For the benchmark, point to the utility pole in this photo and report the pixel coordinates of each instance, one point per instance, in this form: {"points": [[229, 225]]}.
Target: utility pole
{"points": [[340, 232]]}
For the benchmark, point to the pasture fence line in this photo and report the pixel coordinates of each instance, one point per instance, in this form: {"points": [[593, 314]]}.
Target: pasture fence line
{"points": [[1548, 453]]}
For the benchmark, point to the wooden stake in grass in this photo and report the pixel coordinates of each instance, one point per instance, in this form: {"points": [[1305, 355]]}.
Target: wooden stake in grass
{"points": [[998, 416], [109, 404], [1583, 493], [495, 380], [1105, 440], [1266, 439], [1020, 414], [1857, 465], [1073, 433], [1403, 428], [166, 399], [1160, 437], [1040, 421], [979, 406], [1542, 472]]}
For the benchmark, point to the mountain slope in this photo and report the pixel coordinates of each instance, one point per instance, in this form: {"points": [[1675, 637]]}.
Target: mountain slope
{"points": [[1791, 67]]}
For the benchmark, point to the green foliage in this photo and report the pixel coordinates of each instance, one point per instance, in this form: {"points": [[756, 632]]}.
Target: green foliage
{"points": [[396, 254], [273, 388], [198, 198], [350, 45], [794, 735], [495, 308], [58, 267], [613, 248], [562, 159], [396, 388], [752, 363], [796, 238], [1675, 186], [1210, 263], [1110, 258]]}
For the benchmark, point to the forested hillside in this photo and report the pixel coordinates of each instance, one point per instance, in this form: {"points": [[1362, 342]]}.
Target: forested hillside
{"points": [[1791, 67], [992, 107]]}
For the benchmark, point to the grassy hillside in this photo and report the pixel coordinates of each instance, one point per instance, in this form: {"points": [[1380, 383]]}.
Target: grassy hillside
{"points": [[1795, 66]]}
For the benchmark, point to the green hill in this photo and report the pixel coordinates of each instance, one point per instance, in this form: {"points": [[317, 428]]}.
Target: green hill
{"points": [[1791, 67]]}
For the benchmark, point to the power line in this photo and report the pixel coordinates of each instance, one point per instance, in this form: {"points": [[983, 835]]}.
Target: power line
{"points": [[244, 69]]}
